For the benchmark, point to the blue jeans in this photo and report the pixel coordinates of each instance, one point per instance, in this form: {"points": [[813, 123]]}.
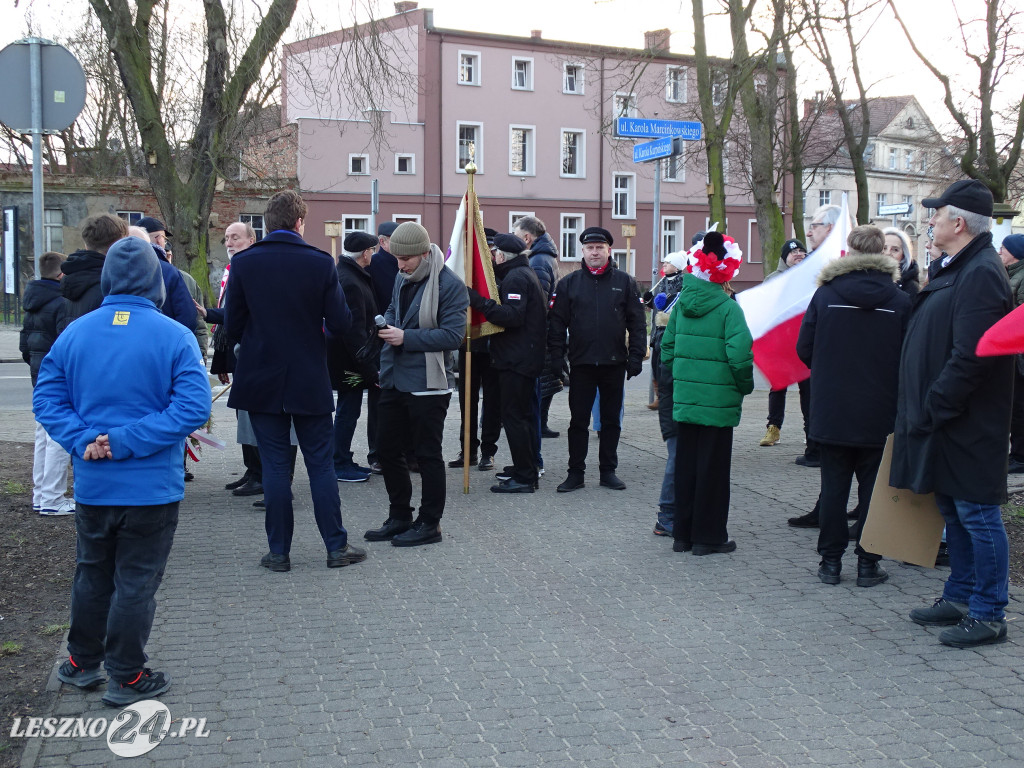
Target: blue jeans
{"points": [[667, 502], [978, 557], [315, 434], [122, 552], [350, 404]]}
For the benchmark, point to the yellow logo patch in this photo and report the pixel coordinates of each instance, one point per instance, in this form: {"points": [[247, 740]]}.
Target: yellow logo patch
{"points": [[121, 318]]}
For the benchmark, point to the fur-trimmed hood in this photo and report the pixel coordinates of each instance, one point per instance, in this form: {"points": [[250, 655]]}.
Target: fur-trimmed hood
{"points": [[859, 262]]}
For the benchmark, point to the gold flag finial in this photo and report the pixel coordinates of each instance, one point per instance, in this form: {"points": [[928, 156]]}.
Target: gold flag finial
{"points": [[471, 166]]}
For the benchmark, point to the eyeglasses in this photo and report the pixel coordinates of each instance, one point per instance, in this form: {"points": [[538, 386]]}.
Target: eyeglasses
{"points": [[818, 224]]}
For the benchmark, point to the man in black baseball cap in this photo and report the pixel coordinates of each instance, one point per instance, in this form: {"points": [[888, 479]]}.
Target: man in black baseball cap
{"points": [[158, 232], [967, 194]]}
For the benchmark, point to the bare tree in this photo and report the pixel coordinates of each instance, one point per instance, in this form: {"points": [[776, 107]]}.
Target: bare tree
{"points": [[992, 132], [183, 172]]}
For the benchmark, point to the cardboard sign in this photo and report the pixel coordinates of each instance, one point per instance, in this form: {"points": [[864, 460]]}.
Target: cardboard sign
{"points": [[901, 525]]}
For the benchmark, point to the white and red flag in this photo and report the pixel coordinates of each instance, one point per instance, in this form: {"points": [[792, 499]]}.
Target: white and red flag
{"points": [[469, 257], [774, 310]]}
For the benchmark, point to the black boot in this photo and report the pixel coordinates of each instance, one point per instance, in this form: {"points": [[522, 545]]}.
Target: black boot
{"points": [[828, 570], [869, 573]]}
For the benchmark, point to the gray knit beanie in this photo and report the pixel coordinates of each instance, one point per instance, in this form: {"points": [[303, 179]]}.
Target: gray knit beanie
{"points": [[409, 239]]}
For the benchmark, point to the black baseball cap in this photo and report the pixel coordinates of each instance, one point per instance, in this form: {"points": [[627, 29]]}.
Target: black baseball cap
{"points": [[966, 194]]}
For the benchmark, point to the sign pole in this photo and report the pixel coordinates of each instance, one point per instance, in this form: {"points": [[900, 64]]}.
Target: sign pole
{"points": [[656, 241], [36, 84], [466, 376]]}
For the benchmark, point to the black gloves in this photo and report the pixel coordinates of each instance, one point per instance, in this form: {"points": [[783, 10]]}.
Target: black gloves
{"points": [[476, 301], [634, 368]]}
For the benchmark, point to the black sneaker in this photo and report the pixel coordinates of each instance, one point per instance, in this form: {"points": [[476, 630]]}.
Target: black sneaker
{"points": [[146, 685], [971, 632], [237, 483], [942, 613], [661, 530], [80, 677]]}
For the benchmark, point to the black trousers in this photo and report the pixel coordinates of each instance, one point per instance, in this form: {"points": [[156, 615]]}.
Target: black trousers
{"points": [[839, 463], [703, 468], [777, 409], [519, 418], [404, 420], [482, 378], [1017, 415], [585, 381], [372, 399], [251, 460]]}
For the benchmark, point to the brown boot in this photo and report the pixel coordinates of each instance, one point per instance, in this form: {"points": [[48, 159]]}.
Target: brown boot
{"points": [[653, 405]]}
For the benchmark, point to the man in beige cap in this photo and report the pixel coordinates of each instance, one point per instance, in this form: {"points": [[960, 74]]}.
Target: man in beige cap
{"points": [[426, 321]]}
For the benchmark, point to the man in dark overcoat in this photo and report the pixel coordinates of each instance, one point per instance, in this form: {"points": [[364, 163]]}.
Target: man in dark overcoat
{"points": [[283, 293], [953, 415]]}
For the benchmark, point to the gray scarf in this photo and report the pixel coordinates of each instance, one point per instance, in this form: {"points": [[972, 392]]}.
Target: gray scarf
{"points": [[429, 269]]}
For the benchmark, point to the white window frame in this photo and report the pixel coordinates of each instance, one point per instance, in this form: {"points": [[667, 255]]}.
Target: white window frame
{"points": [[527, 63], [923, 168], [630, 266], [630, 196], [751, 226], [52, 228], [908, 159], [400, 218], [894, 159], [477, 65], [719, 88], [679, 234], [581, 153], [530, 154], [824, 197], [514, 216], [579, 79], [681, 74], [412, 163], [365, 161], [631, 109], [132, 217], [563, 231], [478, 157], [881, 198], [666, 167], [346, 230], [254, 220]]}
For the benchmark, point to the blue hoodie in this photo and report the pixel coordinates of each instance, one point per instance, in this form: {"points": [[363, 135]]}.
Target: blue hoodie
{"points": [[127, 371]]}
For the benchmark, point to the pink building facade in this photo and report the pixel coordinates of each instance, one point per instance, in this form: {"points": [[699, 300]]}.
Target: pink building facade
{"points": [[539, 117]]}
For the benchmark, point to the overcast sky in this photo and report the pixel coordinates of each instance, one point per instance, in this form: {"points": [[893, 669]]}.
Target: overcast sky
{"points": [[889, 64]]}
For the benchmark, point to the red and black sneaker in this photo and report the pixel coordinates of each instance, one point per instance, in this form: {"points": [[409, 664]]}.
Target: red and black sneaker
{"points": [[145, 685], [80, 677]]}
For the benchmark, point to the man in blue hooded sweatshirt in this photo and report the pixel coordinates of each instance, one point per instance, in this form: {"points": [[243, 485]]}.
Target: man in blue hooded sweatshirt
{"points": [[120, 390]]}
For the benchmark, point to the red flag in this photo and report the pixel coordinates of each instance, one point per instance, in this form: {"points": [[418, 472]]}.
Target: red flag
{"points": [[1006, 337], [469, 257]]}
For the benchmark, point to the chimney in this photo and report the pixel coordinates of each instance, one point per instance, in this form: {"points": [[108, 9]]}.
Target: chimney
{"points": [[535, 34], [657, 40], [406, 5]]}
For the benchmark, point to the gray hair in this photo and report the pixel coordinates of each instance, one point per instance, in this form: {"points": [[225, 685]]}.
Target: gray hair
{"points": [[828, 214], [509, 255], [908, 255], [975, 223], [531, 225]]}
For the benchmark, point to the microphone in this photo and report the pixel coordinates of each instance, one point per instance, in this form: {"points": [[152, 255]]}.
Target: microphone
{"points": [[380, 322]]}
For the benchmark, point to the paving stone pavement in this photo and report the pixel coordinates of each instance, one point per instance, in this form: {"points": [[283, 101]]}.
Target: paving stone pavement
{"points": [[555, 629]]}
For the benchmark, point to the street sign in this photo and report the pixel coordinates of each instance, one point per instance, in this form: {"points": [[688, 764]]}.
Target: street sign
{"points": [[653, 150], [61, 86], [895, 209], [638, 128]]}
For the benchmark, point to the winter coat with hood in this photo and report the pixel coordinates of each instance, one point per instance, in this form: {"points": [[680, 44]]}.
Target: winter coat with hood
{"points": [[910, 278], [851, 337], [953, 407], [44, 310], [80, 285], [130, 372], [708, 346], [544, 260]]}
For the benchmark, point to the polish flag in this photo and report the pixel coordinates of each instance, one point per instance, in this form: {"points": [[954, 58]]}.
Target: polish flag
{"points": [[1006, 337], [470, 259], [774, 310]]}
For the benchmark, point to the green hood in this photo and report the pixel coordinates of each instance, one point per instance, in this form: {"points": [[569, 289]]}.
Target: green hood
{"points": [[698, 297]]}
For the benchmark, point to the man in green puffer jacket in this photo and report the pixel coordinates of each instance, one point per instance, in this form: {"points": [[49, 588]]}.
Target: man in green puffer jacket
{"points": [[708, 345]]}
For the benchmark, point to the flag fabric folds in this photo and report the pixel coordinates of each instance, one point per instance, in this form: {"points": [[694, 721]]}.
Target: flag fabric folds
{"points": [[774, 310], [470, 259], [1006, 337]]}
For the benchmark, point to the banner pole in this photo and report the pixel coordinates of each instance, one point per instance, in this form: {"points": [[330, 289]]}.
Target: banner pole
{"points": [[466, 377]]}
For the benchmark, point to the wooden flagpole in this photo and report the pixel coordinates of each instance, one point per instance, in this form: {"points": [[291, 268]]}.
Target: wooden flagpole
{"points": [[466, 375]]}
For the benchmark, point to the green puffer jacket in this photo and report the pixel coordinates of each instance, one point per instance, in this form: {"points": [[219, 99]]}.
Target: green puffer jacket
{"points": [[708, 345]]}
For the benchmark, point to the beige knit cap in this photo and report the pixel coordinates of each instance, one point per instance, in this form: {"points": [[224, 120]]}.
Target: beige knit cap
{"points": [[409, 239]]}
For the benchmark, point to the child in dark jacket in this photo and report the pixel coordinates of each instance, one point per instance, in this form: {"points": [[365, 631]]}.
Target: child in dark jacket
{"points": [[44, 308]]}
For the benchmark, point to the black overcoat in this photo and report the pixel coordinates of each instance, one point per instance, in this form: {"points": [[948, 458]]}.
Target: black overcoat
{"points": [[341, 350], [953, 409]]}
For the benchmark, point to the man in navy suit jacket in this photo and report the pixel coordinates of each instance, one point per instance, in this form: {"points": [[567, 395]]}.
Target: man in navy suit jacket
{"points": [[283, 292]]}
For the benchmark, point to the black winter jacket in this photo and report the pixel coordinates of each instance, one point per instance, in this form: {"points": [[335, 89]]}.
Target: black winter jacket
{"points": [[341, 350], [44, 309], [910, 280], [544, 260], [953, 410], [850, 338], [522, 313], [598, 311], [81, 285]]}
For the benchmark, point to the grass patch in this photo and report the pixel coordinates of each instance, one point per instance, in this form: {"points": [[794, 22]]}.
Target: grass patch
{"points": [[1014, 512], [54, 629], [13, 487], [10, 648]]}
